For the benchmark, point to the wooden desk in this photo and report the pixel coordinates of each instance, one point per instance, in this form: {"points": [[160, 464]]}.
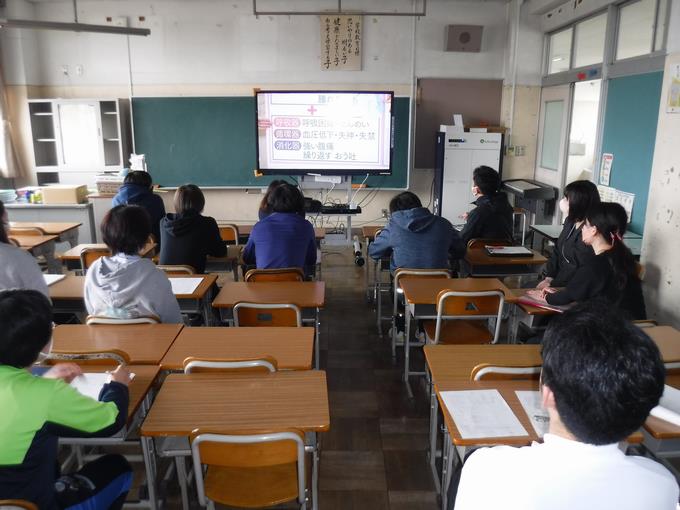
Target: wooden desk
{"points": [[291, 347], [245, 230], [66, 232], [40, 246], [421, 294], [145, 344], [238, 404], [199, 301], [72, 257], [523, 313], [309, 295], [478, 263], [382, 265]]}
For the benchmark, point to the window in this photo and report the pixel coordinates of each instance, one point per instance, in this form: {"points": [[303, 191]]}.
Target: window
{"points": [[660, 25], [589, 41], [636, 29], [552, 129], [560, 51], [583, 134]]}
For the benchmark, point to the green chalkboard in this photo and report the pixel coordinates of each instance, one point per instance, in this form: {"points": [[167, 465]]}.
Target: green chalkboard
{"points": [[210, 141]]}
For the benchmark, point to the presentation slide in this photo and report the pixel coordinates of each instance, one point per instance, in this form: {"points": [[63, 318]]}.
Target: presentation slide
{"points": [[324, 132]]}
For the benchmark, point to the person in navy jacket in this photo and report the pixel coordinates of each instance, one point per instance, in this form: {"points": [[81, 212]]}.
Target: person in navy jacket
{"points": [[137, 190]]}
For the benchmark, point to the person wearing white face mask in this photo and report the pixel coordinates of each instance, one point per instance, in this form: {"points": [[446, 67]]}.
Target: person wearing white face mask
{"points": [[18, 268], [570, 252], [38, 410]]}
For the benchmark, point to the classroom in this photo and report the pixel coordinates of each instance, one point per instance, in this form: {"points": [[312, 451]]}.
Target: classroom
{"points": [[340, 254]]}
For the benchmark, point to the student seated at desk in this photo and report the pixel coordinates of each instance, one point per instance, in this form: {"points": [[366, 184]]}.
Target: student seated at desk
{"points": [[601, 377], [19, 269], [492, 218], [611, 274], [38, 410], [415, 237], [187, 236], [126, 285], [137, 189], [265, 209], [570, 252], [284, 238]]}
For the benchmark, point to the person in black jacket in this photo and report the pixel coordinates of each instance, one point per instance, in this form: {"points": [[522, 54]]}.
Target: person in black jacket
{"points": [[612, 274], [570, 251], [187, 236], [137, 189], [492, 218]]}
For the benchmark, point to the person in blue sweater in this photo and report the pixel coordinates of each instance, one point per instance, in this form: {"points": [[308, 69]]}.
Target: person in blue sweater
{"points": [[284, 238], [415, 237], [137, 189]]}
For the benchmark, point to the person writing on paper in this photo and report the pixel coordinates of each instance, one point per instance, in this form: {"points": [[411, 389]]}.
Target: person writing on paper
{"points": [[39, 410], [137, 189], [125, 285], [188, 237], [611, 274], [415, 237], [601, 377], [19, 269], [570, 251], [284, 238], [492, 216]]}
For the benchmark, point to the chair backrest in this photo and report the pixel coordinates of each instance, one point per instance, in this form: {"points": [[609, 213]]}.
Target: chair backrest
{"points": [[271, 314], [645, 324], [14, 242], [262, 364], [478, 305], [229, 233], [284, 274], [26, 231], [144, 319], [404, 273], [177, 269], [13, 504], [489, 371], [481, 243], [248, 451], [89, 255], [108, 357]]}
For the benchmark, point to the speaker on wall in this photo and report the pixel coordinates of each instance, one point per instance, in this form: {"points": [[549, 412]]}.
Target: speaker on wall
{"points": [[466, 38]]}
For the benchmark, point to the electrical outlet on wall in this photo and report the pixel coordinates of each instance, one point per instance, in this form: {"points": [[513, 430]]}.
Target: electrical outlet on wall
{"points": [[520, 150]]}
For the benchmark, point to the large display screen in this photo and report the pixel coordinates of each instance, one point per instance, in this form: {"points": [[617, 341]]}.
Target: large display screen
{"points": [[325, 132]]}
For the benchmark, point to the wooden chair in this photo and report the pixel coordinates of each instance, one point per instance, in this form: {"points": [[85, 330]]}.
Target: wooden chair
{"points": [[252, 471], [263, 364], [229, 233], [144, 319], [489, 371], [177, 269], [89, 255], [462, 317], [15, 504], [474, 244], [404, 274], [26, 231], [108, 357], [260, 314], [284, 274], [645, 324]]}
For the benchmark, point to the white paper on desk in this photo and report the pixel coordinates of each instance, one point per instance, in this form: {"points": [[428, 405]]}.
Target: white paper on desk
{"points": [[90, 384], [538, 416], [53, 278], [482, 413], [669, 406], [184, 285]]}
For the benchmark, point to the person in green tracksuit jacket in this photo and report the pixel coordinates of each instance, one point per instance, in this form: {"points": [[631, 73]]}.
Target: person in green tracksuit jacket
{"points": [[36, 411]]}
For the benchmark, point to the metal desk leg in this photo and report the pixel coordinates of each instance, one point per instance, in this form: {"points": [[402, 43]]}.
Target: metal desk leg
{"points": [[70, 237], [513, 324], [150, 467], [206, 305], [448, 455], [378, 289], [315, 473], [434, 416], [407, 348], [317, 347]]}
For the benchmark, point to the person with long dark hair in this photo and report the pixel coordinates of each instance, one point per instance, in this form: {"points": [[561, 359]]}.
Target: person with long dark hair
{"points": [[19, 269], [612, 274], [570, 251], [265, 209]]}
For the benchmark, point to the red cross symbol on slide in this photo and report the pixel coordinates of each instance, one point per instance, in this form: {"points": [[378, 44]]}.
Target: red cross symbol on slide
{"points": [[311, 110]]}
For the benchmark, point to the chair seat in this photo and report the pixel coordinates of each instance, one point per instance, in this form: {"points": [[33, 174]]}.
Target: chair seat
{"points": [[252, 487], [462, 331]]}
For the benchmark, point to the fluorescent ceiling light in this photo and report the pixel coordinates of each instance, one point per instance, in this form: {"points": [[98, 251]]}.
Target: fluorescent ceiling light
{"points": [[72, 27], [558, 59]]}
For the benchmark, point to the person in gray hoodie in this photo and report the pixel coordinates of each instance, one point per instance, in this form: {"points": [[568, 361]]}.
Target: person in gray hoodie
{"points": [[126, 285], [415, 237]]}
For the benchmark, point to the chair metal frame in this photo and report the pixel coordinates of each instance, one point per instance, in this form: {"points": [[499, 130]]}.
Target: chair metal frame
{"points": [[236, 365], [296, 274], [104, 252], [444, 295], [176, 269], [248, 439], [518, 211], [267, 306], [487, 370], [99, 319]]}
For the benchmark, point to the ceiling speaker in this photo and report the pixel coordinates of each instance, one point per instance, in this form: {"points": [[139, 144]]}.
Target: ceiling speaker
{"points": [[466, 38]]}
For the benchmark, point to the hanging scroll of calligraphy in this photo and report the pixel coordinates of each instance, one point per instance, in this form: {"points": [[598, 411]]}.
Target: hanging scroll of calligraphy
{"points": [[341, 37]]}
